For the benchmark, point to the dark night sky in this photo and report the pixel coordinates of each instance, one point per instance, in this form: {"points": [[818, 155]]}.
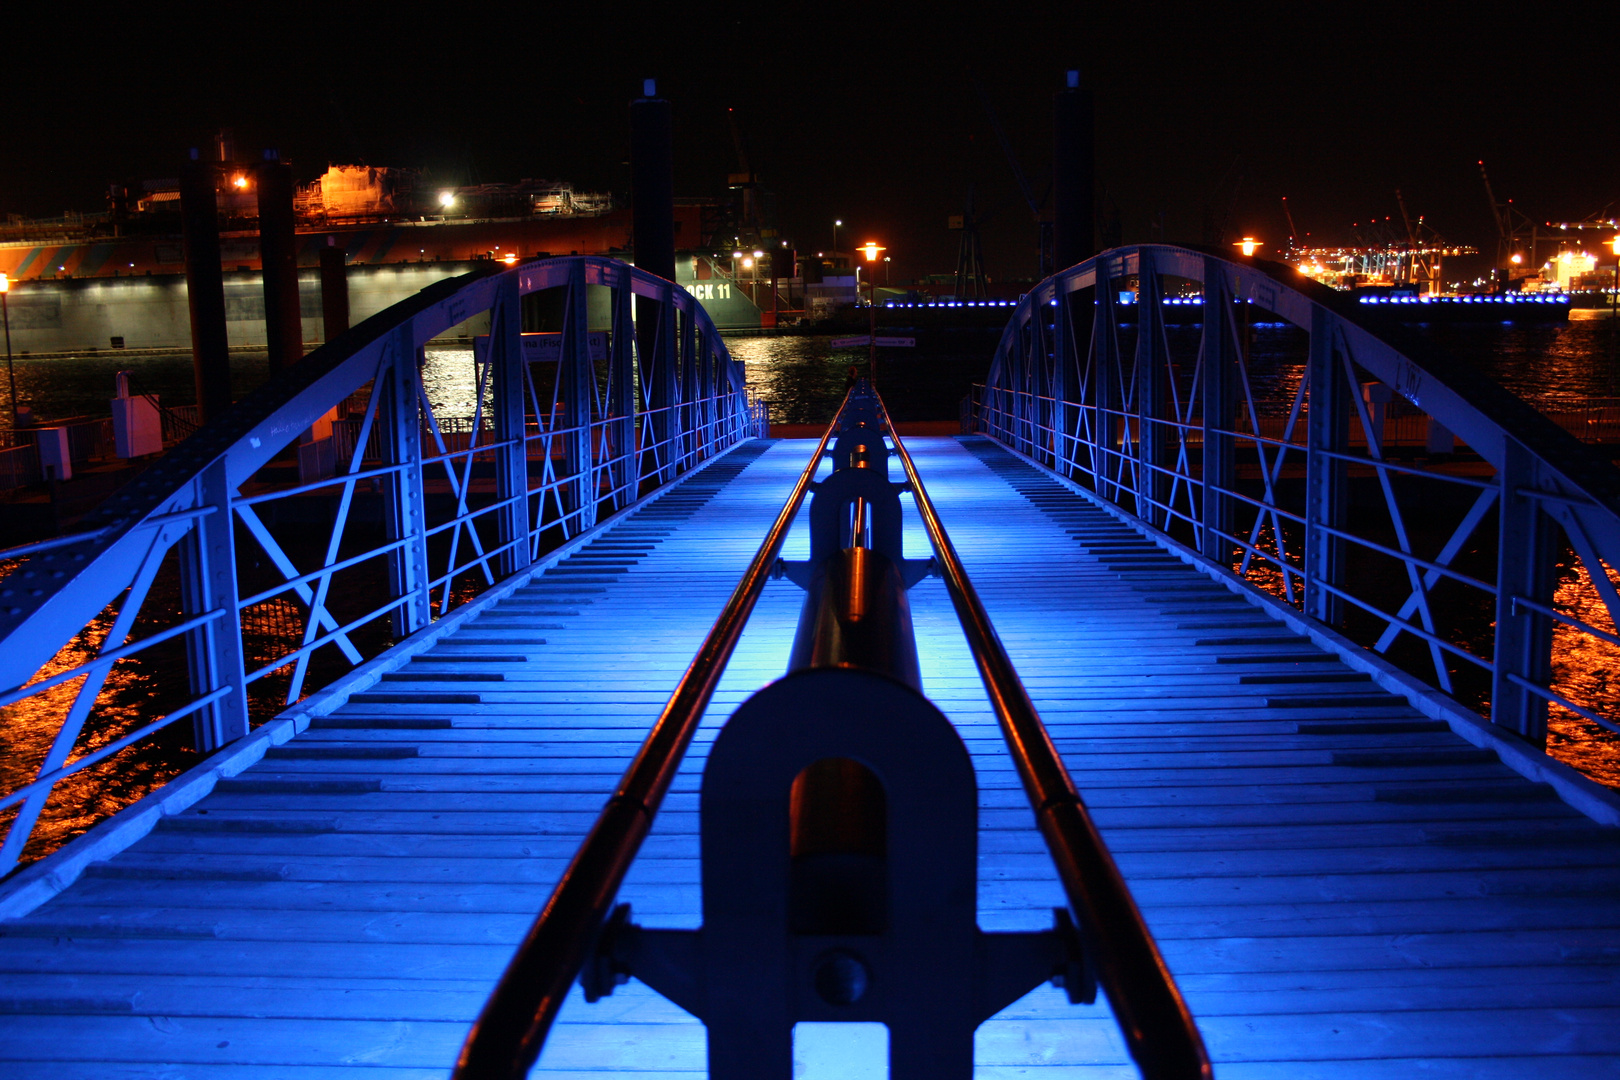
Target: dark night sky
{"points": [[849, 114]]}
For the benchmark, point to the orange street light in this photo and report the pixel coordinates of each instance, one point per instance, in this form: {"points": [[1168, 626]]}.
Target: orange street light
{"points": [[870, 249], [1248, 245]]}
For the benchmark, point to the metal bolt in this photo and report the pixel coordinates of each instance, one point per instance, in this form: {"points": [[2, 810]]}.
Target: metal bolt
{"points": [[841, 978]]}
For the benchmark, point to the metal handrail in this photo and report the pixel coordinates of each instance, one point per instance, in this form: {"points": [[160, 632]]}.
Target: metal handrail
{"points": [[511, 1030], [1158, 1028]]}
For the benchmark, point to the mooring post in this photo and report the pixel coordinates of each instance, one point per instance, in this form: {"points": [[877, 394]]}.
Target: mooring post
{"points": [[1073, 170], [205, 288], [1327, 484], [1219, 392], [1074, 233], [1526, 567], [278, 255], [652, 236], [334, 290]]}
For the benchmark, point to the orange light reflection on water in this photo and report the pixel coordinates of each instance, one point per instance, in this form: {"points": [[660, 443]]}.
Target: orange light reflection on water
{"points": [[28, 728], [1585, 670]]}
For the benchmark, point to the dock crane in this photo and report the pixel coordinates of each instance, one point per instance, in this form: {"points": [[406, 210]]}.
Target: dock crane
{"points": [[1424, 247], [1293, 233], [1510, 222]]}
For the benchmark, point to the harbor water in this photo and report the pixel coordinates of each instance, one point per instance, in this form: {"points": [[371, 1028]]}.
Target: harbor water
{"points": [[803, 378]]}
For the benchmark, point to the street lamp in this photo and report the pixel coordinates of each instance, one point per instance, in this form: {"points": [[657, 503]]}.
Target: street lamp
{"points": [[11, 376], [870, 249], [1249, 245], [836, 224]]}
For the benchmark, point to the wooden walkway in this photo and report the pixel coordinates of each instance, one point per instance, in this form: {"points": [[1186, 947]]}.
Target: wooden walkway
{"points": [[1343, 887]]}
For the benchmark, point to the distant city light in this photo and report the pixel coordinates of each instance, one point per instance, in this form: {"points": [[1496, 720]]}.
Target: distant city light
{"points": [[239, 181], [747, 263], [447, 199], [509, 258], [1517, 259]]}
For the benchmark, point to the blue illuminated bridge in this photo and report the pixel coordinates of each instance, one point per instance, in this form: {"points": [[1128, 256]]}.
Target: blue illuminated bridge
{"points": [[1149, 727]]}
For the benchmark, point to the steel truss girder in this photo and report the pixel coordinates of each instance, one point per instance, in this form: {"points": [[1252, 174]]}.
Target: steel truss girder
{"points": [[1544, 476], [191, 495]]}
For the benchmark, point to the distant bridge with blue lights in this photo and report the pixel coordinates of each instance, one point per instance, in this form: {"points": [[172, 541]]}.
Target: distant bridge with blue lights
{"points": [[897, 749]]}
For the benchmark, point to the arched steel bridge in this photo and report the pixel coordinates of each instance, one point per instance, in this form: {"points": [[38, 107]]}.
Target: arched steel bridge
{"points": [[1293, 685]]}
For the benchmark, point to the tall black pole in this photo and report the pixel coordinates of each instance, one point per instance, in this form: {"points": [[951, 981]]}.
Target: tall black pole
{"points": [[652, 181], [1074, 165], [334, 290], [205, 288], [278, 254], [652, 224]]}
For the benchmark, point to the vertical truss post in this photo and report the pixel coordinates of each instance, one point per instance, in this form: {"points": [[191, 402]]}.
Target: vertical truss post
{"points": [[1152, 484], [1526, 567], [578, 381], [620, 435], [1106, 386], [1327, 486], [511, 452], [1219, 392], [690, 420], [706, 385], [656, 339], [214, 655], [1062, 379], [1029, 383], [405, 508]]}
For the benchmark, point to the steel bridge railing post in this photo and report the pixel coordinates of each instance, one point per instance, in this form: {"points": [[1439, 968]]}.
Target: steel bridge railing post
{"points": [[578, 381], [708, 380], [658, 341], [1152, 484], [687, 408], [619, 434], [1219, 393], [214, 654], [405, 504], [1327, 486], [1526, 566], [511, 453], [1062, 379], [1106, 383]]}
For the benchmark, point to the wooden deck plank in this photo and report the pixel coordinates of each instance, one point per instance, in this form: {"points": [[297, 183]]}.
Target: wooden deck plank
{"points": [[1341, 893]]}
